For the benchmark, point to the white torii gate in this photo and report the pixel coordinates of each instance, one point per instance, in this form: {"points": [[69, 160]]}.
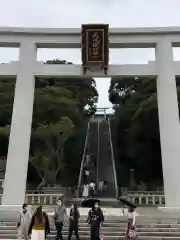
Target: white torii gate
{"points": [[27, 68]]}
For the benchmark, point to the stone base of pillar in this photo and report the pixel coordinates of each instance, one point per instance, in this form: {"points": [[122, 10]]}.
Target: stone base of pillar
{"points": [[170, 210], [11, 212]]}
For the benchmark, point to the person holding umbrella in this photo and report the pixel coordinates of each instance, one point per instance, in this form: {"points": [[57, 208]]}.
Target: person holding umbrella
{"points": [[131, 228], [95, 220]]}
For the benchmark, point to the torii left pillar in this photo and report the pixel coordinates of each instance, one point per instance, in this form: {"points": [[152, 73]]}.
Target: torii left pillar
{"points": [[19, 141]]}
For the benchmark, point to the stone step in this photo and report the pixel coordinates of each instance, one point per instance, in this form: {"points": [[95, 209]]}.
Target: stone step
{"points": [[112, 229], [111, 224], [105, 237], [104, 229], [106, 233]]}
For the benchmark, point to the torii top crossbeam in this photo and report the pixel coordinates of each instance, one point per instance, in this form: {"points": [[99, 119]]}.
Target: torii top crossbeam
{"points": [[71, 37]]}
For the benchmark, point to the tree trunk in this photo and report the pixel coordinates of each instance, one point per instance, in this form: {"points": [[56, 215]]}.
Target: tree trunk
{"points": [[42, 183]]}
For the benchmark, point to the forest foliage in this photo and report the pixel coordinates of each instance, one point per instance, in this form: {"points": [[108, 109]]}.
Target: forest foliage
{"points": [[62, 108]]}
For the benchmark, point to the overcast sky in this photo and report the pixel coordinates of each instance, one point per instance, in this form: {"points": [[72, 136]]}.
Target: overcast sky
{"points": [[73, 13]]}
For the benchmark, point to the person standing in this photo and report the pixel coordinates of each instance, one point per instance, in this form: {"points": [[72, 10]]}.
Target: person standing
{"points": [[101, 186], [131, 228], [85, 192], [105, 186], [95, 219], [88, 157], [39, 227], [60, 215], [92, 186], [73, 221], [86, 175], [24, 222]]}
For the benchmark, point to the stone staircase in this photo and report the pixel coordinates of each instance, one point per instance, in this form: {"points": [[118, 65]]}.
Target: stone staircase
{"points": [[91, 148], [105, 164], [114, 228]]}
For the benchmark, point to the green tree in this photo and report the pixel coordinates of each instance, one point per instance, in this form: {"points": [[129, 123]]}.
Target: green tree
{"points": [[136, 130], [49, 158], [61, 107]]}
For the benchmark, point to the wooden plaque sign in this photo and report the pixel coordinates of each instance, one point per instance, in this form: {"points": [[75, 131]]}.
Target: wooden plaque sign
{"points": [[95, 46]]}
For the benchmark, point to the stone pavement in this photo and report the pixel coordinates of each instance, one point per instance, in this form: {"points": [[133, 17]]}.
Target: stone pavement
{"points": [[112, 230], [151, 225]]}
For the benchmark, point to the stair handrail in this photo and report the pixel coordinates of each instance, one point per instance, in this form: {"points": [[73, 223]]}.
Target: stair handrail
{"points": [[83, 160], [98, 153], [112, 158]]}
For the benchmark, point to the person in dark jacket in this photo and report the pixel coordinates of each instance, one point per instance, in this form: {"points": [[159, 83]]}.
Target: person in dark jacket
{"points": [[39, 226], [95, 219], [73, 221]]}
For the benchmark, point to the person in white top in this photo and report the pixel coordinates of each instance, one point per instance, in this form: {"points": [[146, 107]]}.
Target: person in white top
{"points": [[125, 211], [92, 187], [87, 172], [24, 222], [101, 186], [131, 228], [86, 175], [85, 192]]}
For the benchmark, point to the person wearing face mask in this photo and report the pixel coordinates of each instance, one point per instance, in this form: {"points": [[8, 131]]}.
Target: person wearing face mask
{"points": [[60, 215], [24, 222], [95, 219], [74, 216]]}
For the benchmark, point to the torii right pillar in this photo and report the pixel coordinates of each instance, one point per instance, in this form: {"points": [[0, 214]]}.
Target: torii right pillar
{"points": [[169, 123]]}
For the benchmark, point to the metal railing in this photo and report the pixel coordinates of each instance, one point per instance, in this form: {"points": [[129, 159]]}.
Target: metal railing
{"points": [[83, 161], [112, 158], [98, 152]]}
